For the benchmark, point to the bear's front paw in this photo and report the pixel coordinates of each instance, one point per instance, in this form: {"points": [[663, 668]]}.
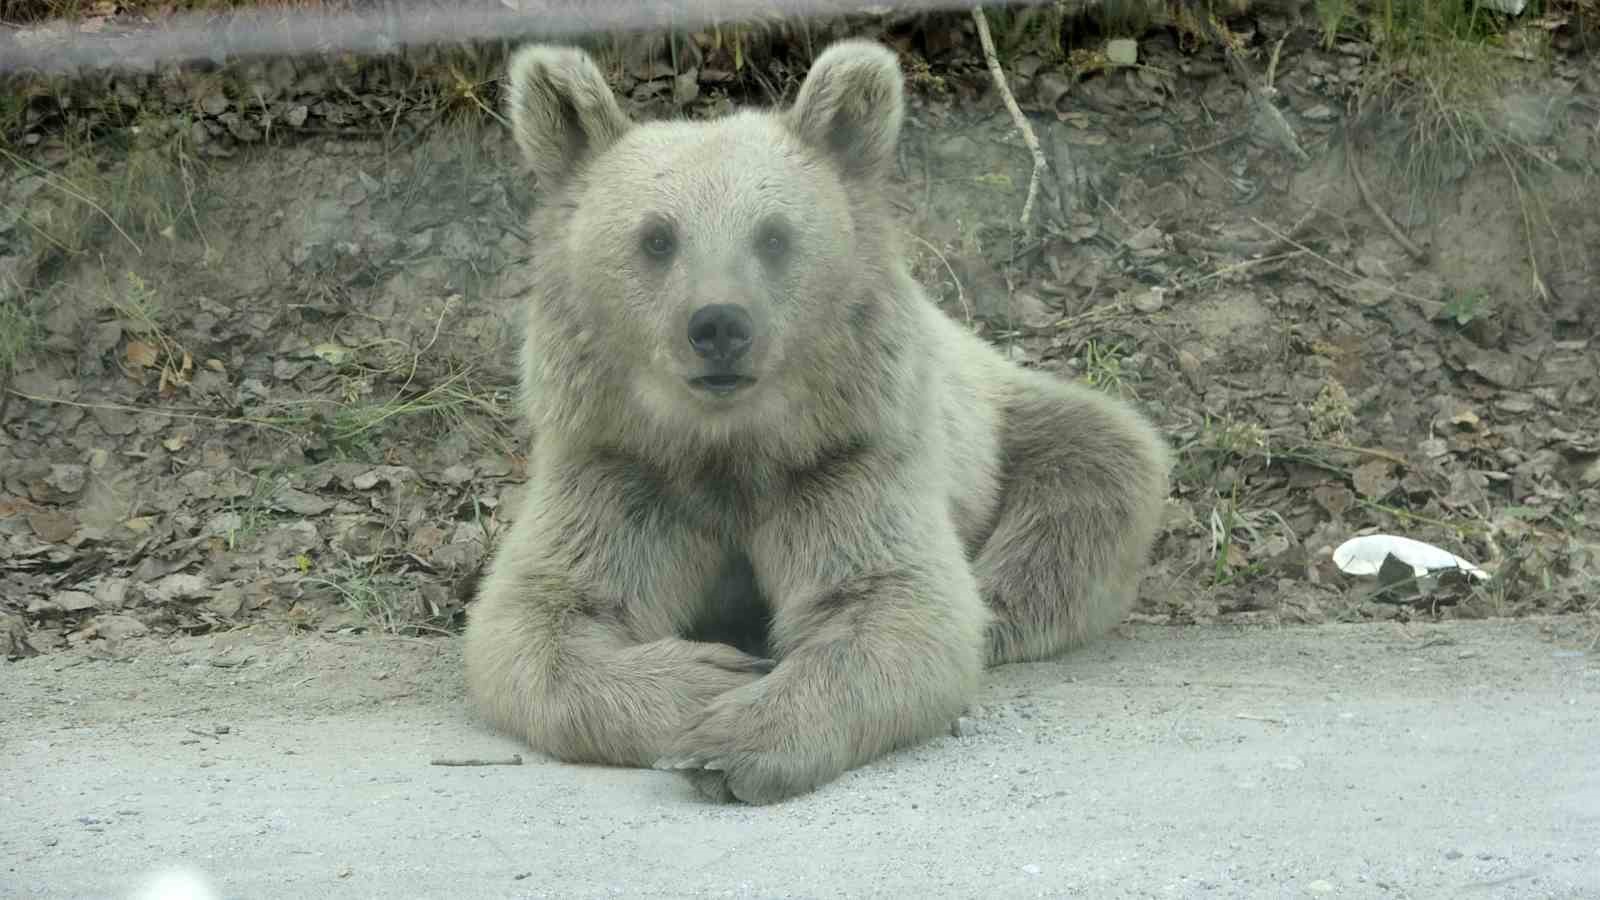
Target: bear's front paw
{"points": [[738, 750]]}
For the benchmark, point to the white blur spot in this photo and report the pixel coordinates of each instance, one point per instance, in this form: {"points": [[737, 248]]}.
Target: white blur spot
{"points": [[176, 883]]}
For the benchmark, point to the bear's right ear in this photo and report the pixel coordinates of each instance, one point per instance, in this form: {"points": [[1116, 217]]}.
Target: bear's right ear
{"points": [[561, 109], [850, 107]]}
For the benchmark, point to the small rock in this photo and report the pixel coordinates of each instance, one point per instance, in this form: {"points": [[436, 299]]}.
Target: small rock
{"points": [[67, 479], [1122, 51], [214, 104], [1146, 238], [1499, 369], [1372, 266], [1050, 87], [456, 474], [686, 87], [965, 727], [75, 601], [1322, 112], [181, 586], [295, 116], [117, 627], [1591, 474], [394, 476], [1189, 365], [1320, 887], [1033, 868], [1028, 309], [228, 602], [112, 593], [240, 127], [1149, 301], [300, 503], [14, 637]]}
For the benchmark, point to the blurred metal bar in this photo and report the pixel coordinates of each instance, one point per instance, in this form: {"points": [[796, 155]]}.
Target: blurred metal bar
{"points": [[63, 47]]}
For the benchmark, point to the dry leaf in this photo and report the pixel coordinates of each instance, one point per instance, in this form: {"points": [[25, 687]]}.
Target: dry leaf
{"points": [[53, 527], [1336, 499], [1375, 479], [142, 355]]}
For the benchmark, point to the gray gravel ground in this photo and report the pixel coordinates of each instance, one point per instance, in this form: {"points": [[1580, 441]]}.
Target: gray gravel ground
{"points": [[1451, 760]]}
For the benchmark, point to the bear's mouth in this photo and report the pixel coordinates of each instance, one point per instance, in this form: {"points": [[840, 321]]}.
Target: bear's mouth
{"points": [[722, 384]]}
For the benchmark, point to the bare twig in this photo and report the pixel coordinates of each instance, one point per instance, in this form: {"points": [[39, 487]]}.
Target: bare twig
{"points": [[1040, 166], [1333, 265], [1378, 452], [1417, 253], [514, 760], [1240, 266], [1191, 151], [961, 295], [1249, 248], [122, 407]]}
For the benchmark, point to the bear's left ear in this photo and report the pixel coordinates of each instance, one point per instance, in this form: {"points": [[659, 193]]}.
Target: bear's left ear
{"points": [[562, 112], [851, 105]]}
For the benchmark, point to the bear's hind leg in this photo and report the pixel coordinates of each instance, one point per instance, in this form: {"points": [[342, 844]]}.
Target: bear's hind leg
{"points": [[1084, 481]]}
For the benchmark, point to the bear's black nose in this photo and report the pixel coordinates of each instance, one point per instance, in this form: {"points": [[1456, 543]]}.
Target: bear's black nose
{"points": [[720, 333]]}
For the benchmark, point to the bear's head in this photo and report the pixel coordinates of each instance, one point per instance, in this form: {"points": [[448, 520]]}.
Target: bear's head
{"points": [[718, 277]]}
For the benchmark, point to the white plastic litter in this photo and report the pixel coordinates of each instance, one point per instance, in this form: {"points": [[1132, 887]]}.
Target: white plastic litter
{"points": [[1363, 555]]}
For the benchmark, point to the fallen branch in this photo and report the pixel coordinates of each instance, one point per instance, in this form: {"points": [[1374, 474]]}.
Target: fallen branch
{"points": [[992, 57], [514, 760], [1354, 278], [1417, 253], [1243, 247]]}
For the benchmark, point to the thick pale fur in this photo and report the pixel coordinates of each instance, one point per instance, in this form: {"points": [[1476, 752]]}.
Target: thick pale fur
{"points": [[889, 508]]}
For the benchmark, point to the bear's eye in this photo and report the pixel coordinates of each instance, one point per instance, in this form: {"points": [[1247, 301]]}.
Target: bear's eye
{"points": [[772, 241], [658, 241]]}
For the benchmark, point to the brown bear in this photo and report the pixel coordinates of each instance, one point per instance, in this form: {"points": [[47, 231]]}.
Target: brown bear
{"points": [[781, 510]]}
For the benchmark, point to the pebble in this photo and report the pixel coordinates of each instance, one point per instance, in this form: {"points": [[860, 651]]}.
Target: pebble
{"points": [[1050, 87], [1150, 301], [1032, 869]]}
